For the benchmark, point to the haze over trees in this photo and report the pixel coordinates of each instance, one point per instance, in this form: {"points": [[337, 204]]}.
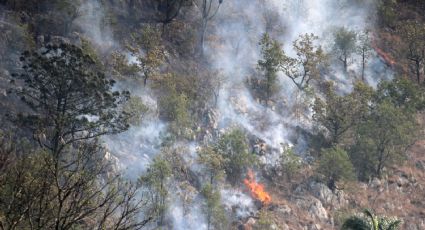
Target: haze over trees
{"points": [[239, 117]]}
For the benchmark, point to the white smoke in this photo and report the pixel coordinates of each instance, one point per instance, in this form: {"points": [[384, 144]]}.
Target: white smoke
{"points": [[93, 23], [238, 27]]}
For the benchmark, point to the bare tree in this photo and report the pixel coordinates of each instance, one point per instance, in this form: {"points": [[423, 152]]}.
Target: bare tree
{"points": [[209, 9], [39, 191]]}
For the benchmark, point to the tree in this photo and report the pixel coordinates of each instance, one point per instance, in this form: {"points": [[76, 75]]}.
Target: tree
{"points": [[381, 140], [215, 212], [174, 106], [272, 56], [339, 114], [149, 51], [403, 94], [214, 163], [290, 163], [413, 33], [170, 9], [335, 165], [233, 147], [364, 49], [156, 181], [344, 45], [209, 9], [136, 110], [369, 221], [39, 192], [308, 63], [70, 98], [387, 12]]}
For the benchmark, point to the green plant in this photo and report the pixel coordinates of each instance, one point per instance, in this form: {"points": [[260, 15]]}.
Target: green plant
{"points": [[369, 221]]}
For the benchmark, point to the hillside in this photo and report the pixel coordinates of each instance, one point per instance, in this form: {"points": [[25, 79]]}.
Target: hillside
{"points": [[212, 114]]}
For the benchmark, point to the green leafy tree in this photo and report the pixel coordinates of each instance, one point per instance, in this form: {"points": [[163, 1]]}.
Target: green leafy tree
{"points": [[387, 12], [156, 181], [413, 33], [290, 163], [214, 163], [335, 165], [403, 94], [272, 56], [369, 221], [233, 146], [71, 99], [265, 220], [307, 65], [136, 110], [216, 215], [344, 45], [364, 49], [149, 51], [382, 139], [340, 114]]}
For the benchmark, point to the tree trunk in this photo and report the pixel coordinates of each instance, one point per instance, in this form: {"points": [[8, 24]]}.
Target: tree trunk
{"points": [[363, 65], [418, 71]]}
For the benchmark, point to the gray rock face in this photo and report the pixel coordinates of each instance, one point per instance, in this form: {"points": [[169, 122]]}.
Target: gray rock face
{"points": [[326, 196], [313, 206]]}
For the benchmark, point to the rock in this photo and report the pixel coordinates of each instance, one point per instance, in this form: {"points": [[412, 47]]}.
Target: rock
{"points": [[315, 227], [313, 206], [326, 196], [251, 221], [283, 210], [375, 183], [274, 227], [284, 227], [402, 182]]}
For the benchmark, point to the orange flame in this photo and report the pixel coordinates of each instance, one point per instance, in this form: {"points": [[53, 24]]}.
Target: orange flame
{"points": [[388, 59], [256, 189]]}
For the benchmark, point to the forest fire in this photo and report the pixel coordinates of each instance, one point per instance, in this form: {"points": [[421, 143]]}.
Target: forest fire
{"points": [[256, 189], [385, 56]]}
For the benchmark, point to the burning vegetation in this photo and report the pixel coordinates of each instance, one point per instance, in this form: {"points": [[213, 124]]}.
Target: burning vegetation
{"points": [[256, 189]]}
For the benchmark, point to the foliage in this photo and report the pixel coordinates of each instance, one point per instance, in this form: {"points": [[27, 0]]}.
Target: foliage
{"points": [[155, 180], [265, 220], [382, 139], [136, 110], [339, 114], [174, 106], [216, 215], [369, 221], [344, 45], [307, 65], [290, 163], [233, 146], [364, 49], [272, 56], [70, 98], [39, 191], [335, 165], [413, 33], [149, 51], [387, 12], [214, 163], [403, 94]]}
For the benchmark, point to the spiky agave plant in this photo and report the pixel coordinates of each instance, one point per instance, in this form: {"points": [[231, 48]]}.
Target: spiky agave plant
{"points": [[369, 221]]}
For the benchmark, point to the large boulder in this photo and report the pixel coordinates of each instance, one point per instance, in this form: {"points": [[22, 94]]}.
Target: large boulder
{"points": [[322, 192], [313, 206]]}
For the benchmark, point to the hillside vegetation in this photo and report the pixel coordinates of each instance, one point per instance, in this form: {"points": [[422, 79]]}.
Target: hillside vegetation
{"points": [[212, 114]]}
